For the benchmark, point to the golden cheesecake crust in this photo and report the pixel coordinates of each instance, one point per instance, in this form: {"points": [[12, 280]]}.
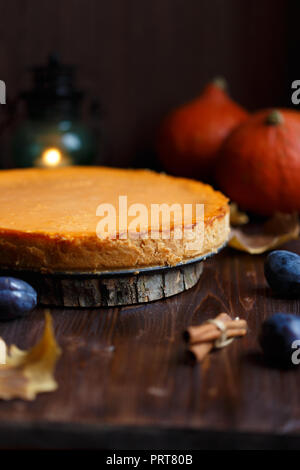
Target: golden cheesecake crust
{"points": [[48, 219]]}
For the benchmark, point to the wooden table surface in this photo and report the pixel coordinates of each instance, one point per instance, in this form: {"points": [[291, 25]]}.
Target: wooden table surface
{"points": [[124, 382]]}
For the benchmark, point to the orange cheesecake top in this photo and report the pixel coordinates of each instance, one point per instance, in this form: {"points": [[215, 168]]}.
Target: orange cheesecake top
{"points": [[63, 201]]}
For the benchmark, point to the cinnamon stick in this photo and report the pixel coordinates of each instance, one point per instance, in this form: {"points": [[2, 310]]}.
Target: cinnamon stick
{"points": [[208, 331], [215, 334], [198, 352], [202, 338], [192, 333]]}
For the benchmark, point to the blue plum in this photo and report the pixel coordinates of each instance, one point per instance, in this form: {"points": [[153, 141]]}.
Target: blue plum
{"points": [[277, 336], [16, 298], [282, 271]]}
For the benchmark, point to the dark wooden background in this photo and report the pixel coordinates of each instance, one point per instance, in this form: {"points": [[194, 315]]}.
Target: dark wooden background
{"points": [[124, 382], [142, 57]]}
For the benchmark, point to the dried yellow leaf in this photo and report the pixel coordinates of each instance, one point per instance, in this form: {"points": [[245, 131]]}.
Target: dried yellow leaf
{"points": [[278, 230], [236, 216], [27, 373], [3, 351]]}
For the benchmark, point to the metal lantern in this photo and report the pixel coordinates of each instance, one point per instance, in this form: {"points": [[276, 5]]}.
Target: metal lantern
{"points": [[53, 133]]}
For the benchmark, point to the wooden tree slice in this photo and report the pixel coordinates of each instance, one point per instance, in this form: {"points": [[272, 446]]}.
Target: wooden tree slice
{"points": [[107, 290]]}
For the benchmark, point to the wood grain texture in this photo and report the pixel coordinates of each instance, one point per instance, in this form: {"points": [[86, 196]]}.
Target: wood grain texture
{"points": [[110, 291], [124, 382]]}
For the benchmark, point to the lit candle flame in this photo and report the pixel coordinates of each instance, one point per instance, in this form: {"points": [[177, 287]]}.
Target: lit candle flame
{"points": [[51, 157]]}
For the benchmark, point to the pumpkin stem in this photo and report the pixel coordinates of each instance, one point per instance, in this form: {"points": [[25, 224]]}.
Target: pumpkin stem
{"points": [[274, 118], [220, 82]]}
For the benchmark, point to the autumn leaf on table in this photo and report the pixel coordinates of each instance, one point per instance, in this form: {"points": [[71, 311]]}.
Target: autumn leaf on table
{"points": [[27, 373], [236, 216], [278, 230]]}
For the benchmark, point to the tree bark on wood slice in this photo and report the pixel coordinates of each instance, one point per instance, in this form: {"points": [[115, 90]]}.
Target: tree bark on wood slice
{"points": [[111, 290]]}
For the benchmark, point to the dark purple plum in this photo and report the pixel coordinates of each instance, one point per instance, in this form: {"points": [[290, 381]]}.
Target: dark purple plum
{"points": [[282, 271], [277, 336], [17, 298]]}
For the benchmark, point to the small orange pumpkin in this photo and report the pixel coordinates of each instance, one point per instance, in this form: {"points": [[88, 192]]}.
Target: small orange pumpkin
{"points": [[259, 163], [190, 137]]}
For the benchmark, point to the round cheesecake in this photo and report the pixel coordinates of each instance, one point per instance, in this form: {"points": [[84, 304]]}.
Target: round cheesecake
{"points": [[50, 219]]}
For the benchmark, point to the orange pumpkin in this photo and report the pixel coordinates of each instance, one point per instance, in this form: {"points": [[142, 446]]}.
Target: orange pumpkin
{"points": [[190, 137], [259, 163]]}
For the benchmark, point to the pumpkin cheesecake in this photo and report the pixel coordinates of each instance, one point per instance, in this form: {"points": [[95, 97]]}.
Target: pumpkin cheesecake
{"points": [[49, 219]]}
